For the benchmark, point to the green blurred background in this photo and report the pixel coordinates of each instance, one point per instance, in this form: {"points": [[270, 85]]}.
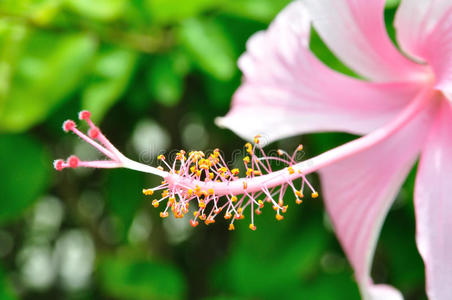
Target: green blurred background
{"points": [[155, 74]]}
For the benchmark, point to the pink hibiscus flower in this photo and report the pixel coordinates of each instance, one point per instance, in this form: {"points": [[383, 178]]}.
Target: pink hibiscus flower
{"points": [[403, 108]]}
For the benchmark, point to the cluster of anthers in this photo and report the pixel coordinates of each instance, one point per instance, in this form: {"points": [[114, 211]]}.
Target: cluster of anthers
{"points": [[206, 180]]}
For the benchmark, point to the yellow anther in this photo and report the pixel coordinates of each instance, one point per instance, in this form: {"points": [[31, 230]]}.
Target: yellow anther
{"points": [[148, 192], [165, 193], [181, 155], [246, 159], [252, 227], [284, 208], [281, 202], [249, 148], [279, 217], [291, 170], [239, 211], [257, 173], [227, 215], [202, 204], [300, 147], [314, 195], [211, 175], [155, 203], [245, 185], [202, 217], [195, 213], [231, 227], [280, 152], [235, 172], [261, 203], [193, 169], [163, 214], [189, 192], [198, 173], [234, 199], [161, 157], [299, 194], [256, 139], [298, 201], [249, 172], [211, 191]]}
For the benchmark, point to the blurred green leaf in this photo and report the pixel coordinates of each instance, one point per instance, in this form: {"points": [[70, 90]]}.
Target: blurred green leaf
{"points": [[282, 267], [112, 70], [392, 3], [124, 196], [139, 279], [165, 82], [40, 12], [277, 256], [103, 10], [226, 298], [260, 10], [210, 47], [220, 92], [165, 11], [49, 68], [12, 39], [339, 286], [6, 291], [25, 169]]}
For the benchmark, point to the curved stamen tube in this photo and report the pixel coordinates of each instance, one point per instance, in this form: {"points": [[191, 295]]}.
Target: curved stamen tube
{"points": [[214, 187]]}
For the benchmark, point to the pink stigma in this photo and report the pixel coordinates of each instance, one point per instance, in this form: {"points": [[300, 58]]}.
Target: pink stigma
{"points": [[73, 161], [58, 164], [93, 133], [84, 115], [68, 125]]}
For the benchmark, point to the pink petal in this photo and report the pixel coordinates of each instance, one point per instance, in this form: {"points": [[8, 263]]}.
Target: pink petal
{"points": [[433, 203], [288, 91], [424, 31], [438, 53], [360, 189], [355, 31]]}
